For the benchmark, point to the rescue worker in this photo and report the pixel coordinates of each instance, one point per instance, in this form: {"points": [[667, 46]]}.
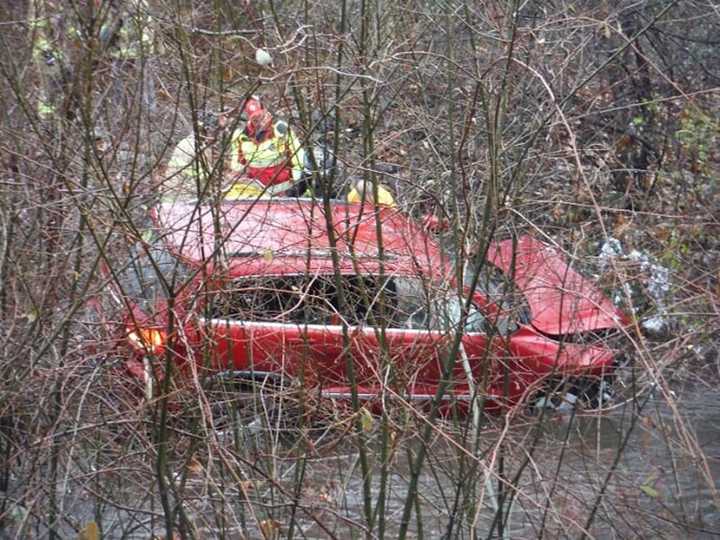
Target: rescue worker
{"points": [[52, 32], [194, 161], [127, 35], [363, 192], [269, 154], [250, 107], [65, 36]]}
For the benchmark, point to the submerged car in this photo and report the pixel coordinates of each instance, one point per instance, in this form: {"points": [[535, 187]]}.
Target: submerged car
{"points": [[353, 301]]}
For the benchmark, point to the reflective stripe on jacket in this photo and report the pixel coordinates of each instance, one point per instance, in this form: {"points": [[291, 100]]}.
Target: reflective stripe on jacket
{"points": [[270, 161], [51, 36]]}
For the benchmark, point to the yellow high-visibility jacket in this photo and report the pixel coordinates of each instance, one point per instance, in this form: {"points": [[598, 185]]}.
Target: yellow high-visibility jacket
{"points": [[135, 37], [278, 160], [385, 198]]}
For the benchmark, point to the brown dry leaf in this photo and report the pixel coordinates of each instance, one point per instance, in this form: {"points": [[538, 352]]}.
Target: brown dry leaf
{"points": [[195, 467], [270, 529], [90, 531], [622, 224], [648, 422], [622, 143], [662, 233], [246, 486]]}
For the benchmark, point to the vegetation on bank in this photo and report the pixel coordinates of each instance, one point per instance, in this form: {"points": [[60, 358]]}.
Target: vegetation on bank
{"points": [[581, 122]]}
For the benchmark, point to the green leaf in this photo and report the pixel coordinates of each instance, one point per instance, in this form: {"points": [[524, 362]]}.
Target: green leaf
{"points": [[649, 491], [147, 235], [366, 420]]}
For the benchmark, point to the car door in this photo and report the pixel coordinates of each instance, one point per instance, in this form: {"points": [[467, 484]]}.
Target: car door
{"points": [[405, 342], [274, 326]]}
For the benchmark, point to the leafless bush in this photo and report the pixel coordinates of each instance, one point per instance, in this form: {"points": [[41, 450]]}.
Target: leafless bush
{"points": [[579, 123]]}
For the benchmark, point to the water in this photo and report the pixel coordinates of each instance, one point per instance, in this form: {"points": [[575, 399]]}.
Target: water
{"points": [[661, 487], [663, 483]]}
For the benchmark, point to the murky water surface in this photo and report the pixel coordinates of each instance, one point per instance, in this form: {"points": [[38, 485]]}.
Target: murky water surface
{"points": [[664, 482]]}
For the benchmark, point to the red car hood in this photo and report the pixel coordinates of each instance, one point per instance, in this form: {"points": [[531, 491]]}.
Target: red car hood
{"points": [[561, 301]]}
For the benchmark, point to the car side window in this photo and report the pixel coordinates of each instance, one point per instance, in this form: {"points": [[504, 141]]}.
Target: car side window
{"points": [[448, 308], [310, 299], [424, 306], [391, 302], [499, 289], [288, 299]]}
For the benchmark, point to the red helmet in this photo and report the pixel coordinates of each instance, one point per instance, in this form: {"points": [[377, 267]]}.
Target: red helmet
{"points": [[250, 107], [258, 123]]}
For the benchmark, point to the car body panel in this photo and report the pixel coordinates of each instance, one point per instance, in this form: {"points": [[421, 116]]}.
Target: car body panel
{"points": [[288, 237], [275, 347], [561, 300], [315, 353], [539, 355]]}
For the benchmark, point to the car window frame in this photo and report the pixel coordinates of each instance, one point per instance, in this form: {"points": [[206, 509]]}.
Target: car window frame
{"points": [[363, 324]]}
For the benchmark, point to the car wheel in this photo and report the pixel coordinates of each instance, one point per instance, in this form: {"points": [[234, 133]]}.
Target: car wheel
{"points": [[585, 393]]}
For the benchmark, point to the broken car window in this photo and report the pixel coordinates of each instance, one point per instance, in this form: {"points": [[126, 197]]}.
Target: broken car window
{"points": [[139, 276], [392, 302]]}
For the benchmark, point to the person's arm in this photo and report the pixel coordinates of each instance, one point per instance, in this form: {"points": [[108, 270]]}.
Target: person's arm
{"points": [[182, 158], [294, 148], [238, 162], [43, 50], [296, 151]]}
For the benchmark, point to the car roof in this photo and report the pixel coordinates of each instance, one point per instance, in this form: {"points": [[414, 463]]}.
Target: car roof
{"points": [[289, 236]]}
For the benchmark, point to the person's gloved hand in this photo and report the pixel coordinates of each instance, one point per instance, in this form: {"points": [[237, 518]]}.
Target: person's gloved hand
{"points": [[281, 128], [49, 58]]}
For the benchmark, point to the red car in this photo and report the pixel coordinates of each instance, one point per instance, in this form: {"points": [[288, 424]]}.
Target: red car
{"points": [[261, 289]]}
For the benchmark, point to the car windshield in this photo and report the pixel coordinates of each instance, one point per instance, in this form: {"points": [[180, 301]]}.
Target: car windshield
{"points": [[393, 302], [139, 276], [497, 287]]}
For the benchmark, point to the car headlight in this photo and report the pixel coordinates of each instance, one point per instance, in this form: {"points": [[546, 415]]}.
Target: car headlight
{"points": [[147, 340]]}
